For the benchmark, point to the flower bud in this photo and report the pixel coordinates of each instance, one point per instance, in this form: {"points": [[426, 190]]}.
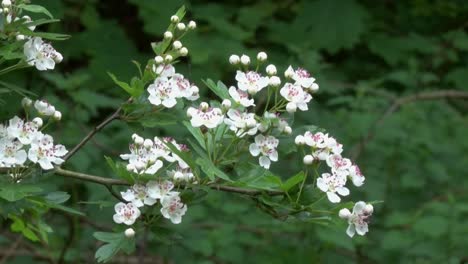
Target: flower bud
{"points": [[26, 102], [195, 89], [314, 88], [174, 19], [289, 72], [275, 81], [129, 232], [140, 166], [192, 24], [6, 3], [245, 60], [262, 56], [148, 143], [130, 167], [138, 140], [252, 90], [168, 58], [308, 159], [181, 26], [158, 59], [20, 37], [57, 115], [183, 51], [234, 59], [38, 121], [299, 140], [204, 106], [57, 57], [177, 44], [168, 35], [287, 130], [291, 107], [6, 10], [344, 213], [226, 104], [271, 69]]}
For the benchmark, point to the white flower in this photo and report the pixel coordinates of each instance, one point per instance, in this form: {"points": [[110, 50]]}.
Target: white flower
{"points": [[158, 60], [356, 175], [358, 220], [126, 213], [339, 165], [308, 159], [316, 140], [164, 70], [40, 54], [252, 82], [44, 152], [24, 132], [11, 153], [173, 208], [244, 59], [267, 147], [177, 44], [332, 184], [302, 78], [234, 59], [162, 92], [6, 3], [241, 97], [271, 69], [209, 117], [44, 108], [262, 56], [241, 123], [192, 24], [181, 86], [143, 159], [167, 35], [157, 190], [129, 232], [138, 195], [296, 95], [181, 26], [274, 81], [289, 72], [183, 51], [26, 102], [174, 19]]}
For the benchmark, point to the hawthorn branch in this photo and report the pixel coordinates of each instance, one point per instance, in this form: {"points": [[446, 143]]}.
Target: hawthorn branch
{"points": [[397, 103]]}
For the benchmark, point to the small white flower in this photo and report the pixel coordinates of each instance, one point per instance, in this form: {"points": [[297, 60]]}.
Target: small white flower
{"points": [[358, 220], [42, 55], [6, 3], [296, 95], [126, 213], [289, 72], [181, 174], [57, 115], [44, 108], [275, 81], [23, 131], [241, 97], [356, 175], [192, 24], [332, 184], [157, 190], [317, 140], [244, 59], [165, 71], [308, 159], [241, 123], [175, 19], [143, 159], [162, 92], [339, 164], [138, 195], [234, 59], [158, 59], [252, 82], [26, 102], [11, 153], [173, 208], [181, 26], [271, 70], [177, 44], [262, 56], [168, 35], [129, 232], [183, 51], [209, 117], [44, 152], [168, 58], [302, 78], [267, 147]]}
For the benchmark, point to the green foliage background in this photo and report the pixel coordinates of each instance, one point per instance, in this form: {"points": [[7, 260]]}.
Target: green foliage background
{"points": [[364, 54]]}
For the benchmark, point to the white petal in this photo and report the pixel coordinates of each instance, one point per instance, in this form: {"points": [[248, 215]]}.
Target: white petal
{"points": [[359, 207], [264, 162], [254, 149], [362, 229], [333, 197], [343, 191], [350, 231], [322, 185]]}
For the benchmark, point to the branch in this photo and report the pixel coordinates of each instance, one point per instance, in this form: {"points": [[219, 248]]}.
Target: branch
{"points": [[423, 96], [96, 129]]}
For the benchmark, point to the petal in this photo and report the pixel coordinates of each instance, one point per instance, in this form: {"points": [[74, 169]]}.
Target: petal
{"points": [[343, 191], [254, 149], [362, 229], [322, 185], [118, 218], [333, 197], [274, 156], [359, 207], [264, 162], [350, 231]]}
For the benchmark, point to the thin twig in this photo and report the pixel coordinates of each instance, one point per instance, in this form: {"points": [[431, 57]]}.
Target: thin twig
{"points": [[423, 96], [11, 250]]}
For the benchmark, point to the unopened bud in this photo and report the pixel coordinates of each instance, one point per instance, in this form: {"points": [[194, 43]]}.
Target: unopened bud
{"points": [[57, 115], [262, 56], [271, 69], [129, 232], [299, 140], [38, 121], [181, 26], [183, 51], [174, 19], [168, 58], [234, 59], [245, 60], [291, 107], [308, 159], [192, 24], [158, 59], [168, 35], [226, 103], [26, 102]]}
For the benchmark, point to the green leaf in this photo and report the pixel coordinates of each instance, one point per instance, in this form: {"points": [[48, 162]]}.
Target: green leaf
{"points": [[120, 170], [57, 197], [293, 181], [219, 89], [15, 192], [35, 9], [196, 133], [211, 170], [115, 243], [129, 89]]}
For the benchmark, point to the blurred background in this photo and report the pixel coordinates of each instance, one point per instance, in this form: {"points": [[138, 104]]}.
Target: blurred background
{"points": [[392, 78]]}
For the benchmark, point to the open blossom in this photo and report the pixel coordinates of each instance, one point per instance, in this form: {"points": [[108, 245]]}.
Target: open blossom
{"points": [[241, 123], [252, 82], [303, 79], [126, 213], [158, 190], [11, 153], [241, 97], [267, 147], [41, 54], [23, 131], [322, 144], [209, 117], [162, 92], [44, 152], [138, 195], [359, 219], [339, 165], [143, 159], [173, 208], [44, 108], [296, 96], [333, 184], [356, 175]]}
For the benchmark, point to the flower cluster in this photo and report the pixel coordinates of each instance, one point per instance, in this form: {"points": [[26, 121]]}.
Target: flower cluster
{"points": [[139, 195], [41, 54], [326, 148], [23, 140]]}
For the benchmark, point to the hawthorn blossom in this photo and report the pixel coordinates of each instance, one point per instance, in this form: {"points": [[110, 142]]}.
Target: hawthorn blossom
{"points": [[11, 153], [241, 123], [158, 190], [332, 184], [303, 79], [23, 131], [44, 108], [316, 140], [356, 175], [252, 82], [44, 152], [359, 219], [267, 147], [182, 85], [241, 97], [138, 195], [126, 213], [339, 165], [40, 54], [164, 70], [296, 96], [205, 115], [163, 92], [173, 208]]}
